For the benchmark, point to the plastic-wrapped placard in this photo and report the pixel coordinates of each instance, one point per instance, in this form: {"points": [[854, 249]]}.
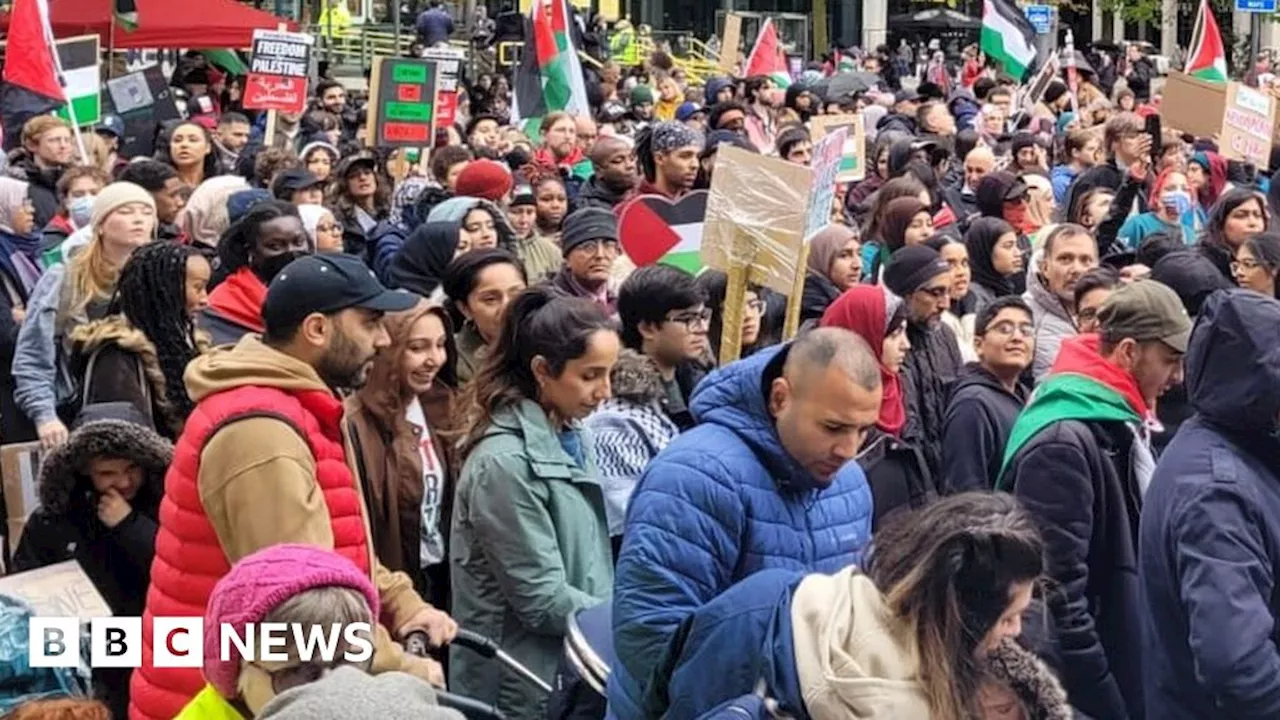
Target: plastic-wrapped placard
{"points": [[754, 230]]}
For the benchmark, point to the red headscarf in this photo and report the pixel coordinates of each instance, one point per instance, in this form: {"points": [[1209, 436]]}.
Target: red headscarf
{"points": [[862, 310]]}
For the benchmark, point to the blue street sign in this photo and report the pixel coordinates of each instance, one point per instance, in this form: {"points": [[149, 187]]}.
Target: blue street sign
{"points": [[1041, 16], [1256, 6]]}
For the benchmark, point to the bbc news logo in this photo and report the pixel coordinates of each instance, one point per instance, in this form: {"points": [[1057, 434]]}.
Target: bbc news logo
{"points": [[178, 642]]}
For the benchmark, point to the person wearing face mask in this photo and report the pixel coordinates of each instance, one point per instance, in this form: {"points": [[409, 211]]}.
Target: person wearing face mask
{"points": [[251, 253], [138, 353], [396, 422], [69, 295], [77, 189], [1003, 195], [1174, 210]]}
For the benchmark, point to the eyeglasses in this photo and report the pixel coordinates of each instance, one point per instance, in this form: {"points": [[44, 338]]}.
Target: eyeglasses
{"points": [[1238, 265], [1009, 327], [591, 247], [937, 293], [692, 319]]}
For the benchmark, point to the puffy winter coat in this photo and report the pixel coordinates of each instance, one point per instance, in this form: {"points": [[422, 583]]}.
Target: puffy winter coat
{"points": [[721, 502], [1209, 540]]}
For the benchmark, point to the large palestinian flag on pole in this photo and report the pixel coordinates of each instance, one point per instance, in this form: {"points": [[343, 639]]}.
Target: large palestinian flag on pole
{"points": [[767, 57], [549, 78], [31, 85], [1206, 58], [1008, 37]]}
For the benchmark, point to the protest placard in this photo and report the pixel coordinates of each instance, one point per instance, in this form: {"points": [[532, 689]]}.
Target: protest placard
{"points": [[450, 64], [853, 159], [754, 230], [59, 590], [1192, 105], [278, 71], [729, 42], [402, 102], [1248, 122], [20, 465], [144, 100]]}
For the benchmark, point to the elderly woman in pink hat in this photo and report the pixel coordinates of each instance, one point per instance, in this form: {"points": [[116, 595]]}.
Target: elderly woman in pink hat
{"points": [[290, 584]]}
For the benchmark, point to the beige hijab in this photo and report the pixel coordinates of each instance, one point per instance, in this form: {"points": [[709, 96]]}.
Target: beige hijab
{"points": [[205, 217]]}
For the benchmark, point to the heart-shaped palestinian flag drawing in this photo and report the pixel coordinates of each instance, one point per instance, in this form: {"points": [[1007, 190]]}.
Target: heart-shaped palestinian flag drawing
{"points": [[653, 229]]}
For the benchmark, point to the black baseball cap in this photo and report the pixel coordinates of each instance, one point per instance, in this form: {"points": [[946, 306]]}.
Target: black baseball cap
{"points": [[291, 181], [326, 284]]}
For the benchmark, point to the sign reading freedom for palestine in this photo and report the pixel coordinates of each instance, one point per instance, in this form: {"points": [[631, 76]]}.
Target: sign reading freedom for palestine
{"points": [[278, 71], [402, 102]]}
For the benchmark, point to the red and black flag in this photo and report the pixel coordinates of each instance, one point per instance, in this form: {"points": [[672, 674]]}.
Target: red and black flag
{"points": [[31, 85]]}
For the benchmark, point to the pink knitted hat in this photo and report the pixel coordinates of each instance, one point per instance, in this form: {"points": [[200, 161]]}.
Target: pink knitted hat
{"points": [[258, 584]]}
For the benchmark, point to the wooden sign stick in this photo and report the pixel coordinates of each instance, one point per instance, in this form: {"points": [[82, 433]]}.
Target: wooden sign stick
{"points": [[792, 324], [270, 131], [735, 298]]}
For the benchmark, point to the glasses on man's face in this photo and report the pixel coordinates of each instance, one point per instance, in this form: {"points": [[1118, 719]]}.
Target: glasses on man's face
{"points": [[1009, 327], [692, 319], [937, 293], [591, 247]]}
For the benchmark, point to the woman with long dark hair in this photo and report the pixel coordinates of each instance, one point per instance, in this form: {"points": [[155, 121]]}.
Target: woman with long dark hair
{"points": [[1238, 215], [138, 353], [530, 544], [397, 421], [1257, 264], [480, 285], [189, 149], [925, 628], [360, 198]]}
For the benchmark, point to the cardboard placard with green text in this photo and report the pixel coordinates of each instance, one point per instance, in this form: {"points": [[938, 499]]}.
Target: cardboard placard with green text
{"points": [[402, 102]]}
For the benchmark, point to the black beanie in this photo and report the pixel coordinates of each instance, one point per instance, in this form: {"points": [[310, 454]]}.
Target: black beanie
{"points": [[911, 267], [1055, 90], [586, 225]]}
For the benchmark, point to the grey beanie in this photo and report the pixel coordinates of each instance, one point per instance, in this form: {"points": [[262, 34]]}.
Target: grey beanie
{"points": [[349, 693], [586, 225], [911, 267]]}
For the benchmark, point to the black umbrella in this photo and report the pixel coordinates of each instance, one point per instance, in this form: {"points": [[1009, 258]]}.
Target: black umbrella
{"points": [[843, 85], [935, 20], [1082, 62]]}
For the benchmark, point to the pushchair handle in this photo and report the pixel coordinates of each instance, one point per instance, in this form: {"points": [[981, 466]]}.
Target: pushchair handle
{"points": [[477, 643]]}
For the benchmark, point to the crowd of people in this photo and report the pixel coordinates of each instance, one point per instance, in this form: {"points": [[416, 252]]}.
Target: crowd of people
{"points": [[284, 379]]}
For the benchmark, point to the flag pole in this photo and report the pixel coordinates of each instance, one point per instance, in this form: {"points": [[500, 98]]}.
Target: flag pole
{"points": [[62, 82], [111, 46]]}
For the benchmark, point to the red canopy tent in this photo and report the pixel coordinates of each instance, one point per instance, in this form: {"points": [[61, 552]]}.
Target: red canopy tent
{"points": [[163, 23]]}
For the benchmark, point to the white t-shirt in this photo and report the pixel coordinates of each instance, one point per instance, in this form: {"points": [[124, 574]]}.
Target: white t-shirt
{"points": [[431, 546]]}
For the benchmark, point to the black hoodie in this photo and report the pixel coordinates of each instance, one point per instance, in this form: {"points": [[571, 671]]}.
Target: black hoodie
{"points": [[980, 414], [598, 195]]}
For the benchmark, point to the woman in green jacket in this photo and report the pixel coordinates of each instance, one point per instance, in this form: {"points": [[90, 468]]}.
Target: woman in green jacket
{"points": [[530, 544]]}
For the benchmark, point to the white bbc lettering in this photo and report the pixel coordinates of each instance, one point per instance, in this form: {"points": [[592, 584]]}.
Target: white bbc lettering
{"points": [[54, 642], [115, 642]]}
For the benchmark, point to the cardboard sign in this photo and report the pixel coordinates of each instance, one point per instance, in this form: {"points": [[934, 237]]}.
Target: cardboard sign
{"points": [[1192, 105], [278, 71], [754, 231], [402, 102], [853, 159], [61, 590], [653, 229], [729, 42], [450, 63], [1248, 123], [20, 465], [827, 155]]}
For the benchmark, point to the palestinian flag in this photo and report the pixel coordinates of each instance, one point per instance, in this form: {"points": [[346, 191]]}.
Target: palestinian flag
{"points": [[767, 57], [1206, 58], [1080, 386], [78, 57], [652, 230], [126, 14], [846, 64], [549, 78], [31, 84], [1008, 37]]}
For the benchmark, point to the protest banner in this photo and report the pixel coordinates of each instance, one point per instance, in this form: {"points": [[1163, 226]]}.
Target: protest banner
{"points": [[730, 40], [144, 101], [402, 102], [754, 230], [1248, 122], [278, 71], [59, 590], [449, 60], [1192, 105], [20, 465], [853, 159]]}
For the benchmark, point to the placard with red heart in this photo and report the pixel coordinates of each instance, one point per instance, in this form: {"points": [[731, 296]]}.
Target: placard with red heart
{"points": [[653, 229]]}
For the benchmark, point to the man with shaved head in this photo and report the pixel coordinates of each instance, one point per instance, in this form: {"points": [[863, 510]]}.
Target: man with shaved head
{"points": [[964, 200], [766, 479], [614, 164]]}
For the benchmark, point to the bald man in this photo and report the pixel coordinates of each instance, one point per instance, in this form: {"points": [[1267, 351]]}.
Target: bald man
{"points": [[767, 479], [614, 163], [964, 200], [587, 132]]}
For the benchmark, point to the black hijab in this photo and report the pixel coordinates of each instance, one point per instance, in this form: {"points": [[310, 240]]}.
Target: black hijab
{"points": [[419, 266], [984, 233]]}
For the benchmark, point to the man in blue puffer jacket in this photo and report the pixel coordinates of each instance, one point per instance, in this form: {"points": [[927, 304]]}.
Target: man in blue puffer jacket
{"points": [[765, 480]]}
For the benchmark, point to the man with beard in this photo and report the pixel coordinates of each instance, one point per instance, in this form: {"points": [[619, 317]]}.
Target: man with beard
{"points": [[262, 461], [614, 174], [919, 275], [668, 156], [1069, 252]]}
